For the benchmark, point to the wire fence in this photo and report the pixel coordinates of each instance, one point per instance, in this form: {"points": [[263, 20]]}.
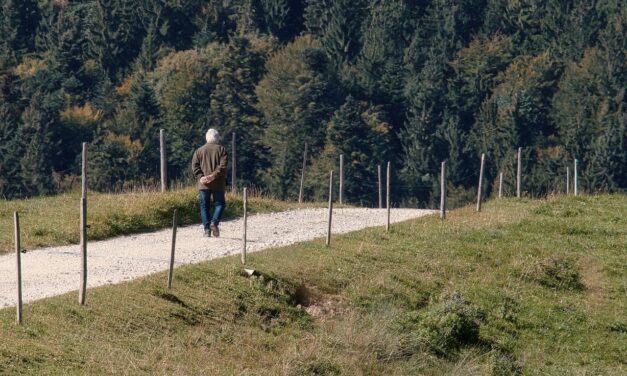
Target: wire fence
{"points": [[426, 193]]}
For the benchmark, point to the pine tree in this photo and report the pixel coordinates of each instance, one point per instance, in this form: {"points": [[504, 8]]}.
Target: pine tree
{"points": [[114, 35], [18, 25], [295, 98], [361, 133], [233, 102], [337, 25], [39, 152], [283, 18], [11, 144], [140, 119]]}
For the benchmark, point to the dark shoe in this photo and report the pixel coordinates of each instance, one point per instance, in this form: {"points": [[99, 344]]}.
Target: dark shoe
{"points": [[215, 231], [207, 233]]}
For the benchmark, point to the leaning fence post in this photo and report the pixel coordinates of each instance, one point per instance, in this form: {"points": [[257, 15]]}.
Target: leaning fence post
{"points": [[245, 199], [500, 185], [175, 221], [233, 164], [518, 173], [387, 192], [164, 165], [480, 183], [330, 208], [83, 229], [302, 176], [341, 179], [567, 180], [380, 188], [18, 256], [443, 191]]}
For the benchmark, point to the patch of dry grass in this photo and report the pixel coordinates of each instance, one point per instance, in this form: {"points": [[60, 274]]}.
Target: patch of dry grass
{"points": [[54, 220]]}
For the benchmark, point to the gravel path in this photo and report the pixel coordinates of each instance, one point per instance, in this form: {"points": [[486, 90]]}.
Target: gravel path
{"points": [[54, 271]]}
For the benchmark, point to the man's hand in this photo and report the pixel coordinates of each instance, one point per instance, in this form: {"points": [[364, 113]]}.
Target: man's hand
{"points": [[207, 179]]}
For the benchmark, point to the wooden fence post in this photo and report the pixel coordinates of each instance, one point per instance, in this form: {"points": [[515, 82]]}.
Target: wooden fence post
{"points": [[18, 256], [245, 198], [500, 185], [83, 229], [302, 176], [341, 179], [380, 188], [480, 182], [567, 180], [519, 173], [330, 208], [175, 222], [443, 191], [233, 164], [576, 178], [387, 192], [164, 164]]}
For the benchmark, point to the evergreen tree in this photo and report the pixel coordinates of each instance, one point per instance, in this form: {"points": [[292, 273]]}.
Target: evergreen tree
{"points": [[283, 18], [361, 133], [337, 25], [18, 25], [40, 150], [113, 161], [233, 105], [114, 35], [295, 97], [140, 119], [11, 144]]}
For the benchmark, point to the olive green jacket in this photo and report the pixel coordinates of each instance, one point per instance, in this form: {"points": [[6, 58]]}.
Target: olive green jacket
{"points": [[210, 159]]}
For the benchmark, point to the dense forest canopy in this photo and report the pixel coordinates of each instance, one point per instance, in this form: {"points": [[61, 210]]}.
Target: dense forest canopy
{"points": [[413, 82]]}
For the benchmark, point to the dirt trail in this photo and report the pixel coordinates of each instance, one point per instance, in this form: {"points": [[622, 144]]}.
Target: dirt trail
{"points": [[54, 271]]}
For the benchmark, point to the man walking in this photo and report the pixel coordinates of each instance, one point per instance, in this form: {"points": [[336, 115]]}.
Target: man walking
{"points": [[209, 166]]}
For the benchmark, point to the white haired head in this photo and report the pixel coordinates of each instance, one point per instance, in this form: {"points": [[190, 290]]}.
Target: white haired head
{"points": [[212, 136]]}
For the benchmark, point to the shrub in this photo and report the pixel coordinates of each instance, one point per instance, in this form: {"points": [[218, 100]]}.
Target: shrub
{"points": [[559, 272], [451, 323]]}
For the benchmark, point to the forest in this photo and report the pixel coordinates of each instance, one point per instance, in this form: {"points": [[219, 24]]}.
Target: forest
{"points": [[411, 82]]}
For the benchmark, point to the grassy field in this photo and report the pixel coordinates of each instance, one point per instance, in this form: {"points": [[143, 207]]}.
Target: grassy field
{"points": [[524, 287], [54, 220]]}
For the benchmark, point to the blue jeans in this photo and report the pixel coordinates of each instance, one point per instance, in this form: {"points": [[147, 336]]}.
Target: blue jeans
{"points": [[218, 202]]}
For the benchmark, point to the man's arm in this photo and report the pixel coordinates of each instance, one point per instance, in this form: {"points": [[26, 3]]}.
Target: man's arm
{"points": [[196, 169], [221, 170]]}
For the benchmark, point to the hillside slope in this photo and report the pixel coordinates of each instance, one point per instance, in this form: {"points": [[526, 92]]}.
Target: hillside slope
{"points": [[524, 287]]}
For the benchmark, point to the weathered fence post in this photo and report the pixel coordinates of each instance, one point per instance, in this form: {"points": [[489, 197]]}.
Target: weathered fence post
{"points": [[18, 256], [83, 230], [575, 178], [519, 173], [245, 199], [387, 192], [302, 176], [164, 164], [233, 164], [500, 185], [341, 179], [330, 208], [443, 191], [480, 183], [175, 222], [567, 180], [380, 188]]}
